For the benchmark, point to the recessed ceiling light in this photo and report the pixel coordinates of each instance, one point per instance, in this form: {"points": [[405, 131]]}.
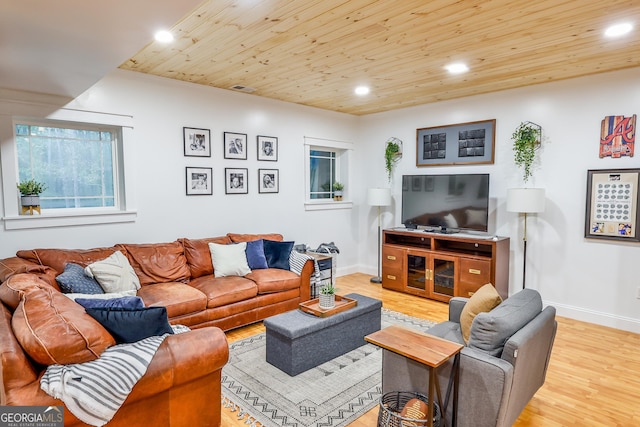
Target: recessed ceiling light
{"points": [[457, 68], [618, 30], [362, 90], [164, 36]]}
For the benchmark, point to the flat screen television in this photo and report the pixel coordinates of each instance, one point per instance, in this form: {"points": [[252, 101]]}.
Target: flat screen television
{"points": [[446, 203]]}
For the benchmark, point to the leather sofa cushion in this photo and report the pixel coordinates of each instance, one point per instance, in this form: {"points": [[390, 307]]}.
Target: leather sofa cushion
{"points": [[274, 280], [16, 265], [52, 329], [58, 258], [237, 238], [179, 298], [158, 262], [225, 290], [198, 255]]}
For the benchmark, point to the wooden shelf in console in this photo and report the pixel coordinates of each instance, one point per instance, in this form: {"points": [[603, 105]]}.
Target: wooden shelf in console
{"points": [[441, 266]]}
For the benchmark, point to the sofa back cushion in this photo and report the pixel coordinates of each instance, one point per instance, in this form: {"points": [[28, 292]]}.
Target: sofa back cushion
{"points": [[16, 265], [490, 331], [58, 258], [236, 238], [198, 255], [52, 329], [158, 262]]}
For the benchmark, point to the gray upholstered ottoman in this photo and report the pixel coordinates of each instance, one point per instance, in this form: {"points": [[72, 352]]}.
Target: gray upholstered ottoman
{"points": [[297, 341]]}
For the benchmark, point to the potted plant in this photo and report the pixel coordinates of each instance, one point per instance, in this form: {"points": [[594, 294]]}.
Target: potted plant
{"points": [[30, 191], [337, 191], [392, 154], [526, 140], [328, 296]]}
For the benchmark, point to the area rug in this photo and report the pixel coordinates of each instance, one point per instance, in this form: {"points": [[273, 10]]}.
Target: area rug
{"points": [[332, 394]]}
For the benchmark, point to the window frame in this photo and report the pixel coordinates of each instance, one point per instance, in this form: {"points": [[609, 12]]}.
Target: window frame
{"points": [[123, 211], [343, 167]]}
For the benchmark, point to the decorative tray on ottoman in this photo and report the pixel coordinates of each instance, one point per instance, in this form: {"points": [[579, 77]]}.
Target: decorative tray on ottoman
{"points": [[313, 306]]}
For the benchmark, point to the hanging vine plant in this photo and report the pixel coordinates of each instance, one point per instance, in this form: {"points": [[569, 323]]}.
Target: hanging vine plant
{"points": [[527, 138], [392, 153]]}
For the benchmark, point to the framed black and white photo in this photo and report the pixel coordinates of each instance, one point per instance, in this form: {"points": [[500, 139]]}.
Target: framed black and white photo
{"points": [[268, 181], [236, 181], [197, 142], [612, 205], [268, 148], [459, 144], [199, 181], [235, 145]]}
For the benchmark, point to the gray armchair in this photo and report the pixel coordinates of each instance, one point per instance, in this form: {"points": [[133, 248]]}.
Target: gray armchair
{"points": [[501, 368]]}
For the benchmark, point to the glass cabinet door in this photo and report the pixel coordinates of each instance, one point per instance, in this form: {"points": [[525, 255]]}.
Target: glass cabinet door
{"points": [[417, 272], [443, 276]]}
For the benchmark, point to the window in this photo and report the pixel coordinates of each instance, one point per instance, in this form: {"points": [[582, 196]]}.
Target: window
{"points": [[80, 156], [327, 162], [77, 163], [322, 174]]}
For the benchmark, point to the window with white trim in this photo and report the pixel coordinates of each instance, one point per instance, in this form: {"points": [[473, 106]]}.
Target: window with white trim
{"points": [[79, 155], [326, 162], [77, 163]]}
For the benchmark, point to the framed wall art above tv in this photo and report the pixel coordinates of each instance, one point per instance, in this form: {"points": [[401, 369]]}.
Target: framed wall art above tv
{"points": [[458, 144]]}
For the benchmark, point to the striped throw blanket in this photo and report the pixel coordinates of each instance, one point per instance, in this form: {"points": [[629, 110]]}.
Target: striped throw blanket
{"points": [[297, 261], [94, 391]]}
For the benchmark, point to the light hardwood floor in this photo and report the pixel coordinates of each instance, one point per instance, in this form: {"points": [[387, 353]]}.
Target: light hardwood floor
{"points": [[593, 378]]}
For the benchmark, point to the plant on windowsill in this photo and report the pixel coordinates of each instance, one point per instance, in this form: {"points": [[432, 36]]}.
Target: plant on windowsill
{"points": [[392, 153], [337, 191], [328, 296], [527, 138], [30, 191]]}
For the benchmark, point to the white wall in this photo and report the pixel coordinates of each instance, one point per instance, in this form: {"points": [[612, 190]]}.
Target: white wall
{"points": [[585, 279], [160, 108]]}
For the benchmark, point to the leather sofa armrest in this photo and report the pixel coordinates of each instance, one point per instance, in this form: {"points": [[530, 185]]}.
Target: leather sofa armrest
{"points": [[305, 281], [180, 358], [456, 304]]}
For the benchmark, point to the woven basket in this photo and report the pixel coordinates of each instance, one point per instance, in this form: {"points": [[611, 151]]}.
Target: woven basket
{"points": [[391, 405]]}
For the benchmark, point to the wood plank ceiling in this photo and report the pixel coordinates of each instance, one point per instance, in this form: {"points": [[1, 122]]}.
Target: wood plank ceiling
{"points": [[316, 52]]}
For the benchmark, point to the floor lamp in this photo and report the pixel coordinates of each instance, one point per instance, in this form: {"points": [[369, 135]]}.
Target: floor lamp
{"points": [[526, 201], [379, 197]]}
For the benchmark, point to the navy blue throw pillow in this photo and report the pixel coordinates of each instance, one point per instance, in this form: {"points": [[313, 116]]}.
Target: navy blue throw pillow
{"points": [[128, 325], [277, 254], [74, 280], [122, 302], [255, 255]]}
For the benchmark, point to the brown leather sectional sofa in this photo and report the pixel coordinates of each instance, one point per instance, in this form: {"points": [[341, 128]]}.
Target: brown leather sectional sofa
{"points": [[182, 384]]}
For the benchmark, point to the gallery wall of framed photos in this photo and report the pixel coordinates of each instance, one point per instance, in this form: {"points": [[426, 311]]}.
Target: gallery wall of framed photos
{"points": [[199, 179]]}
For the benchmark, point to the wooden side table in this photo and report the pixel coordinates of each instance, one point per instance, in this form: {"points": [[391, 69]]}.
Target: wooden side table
{"points": [[428, 350]]}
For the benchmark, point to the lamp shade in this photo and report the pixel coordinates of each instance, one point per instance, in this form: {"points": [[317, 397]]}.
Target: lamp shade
{"points": [[379, 196], [525, 200]]}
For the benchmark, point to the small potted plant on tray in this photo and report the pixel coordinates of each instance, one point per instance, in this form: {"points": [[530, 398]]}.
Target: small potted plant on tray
{"points": [[328, 296]]}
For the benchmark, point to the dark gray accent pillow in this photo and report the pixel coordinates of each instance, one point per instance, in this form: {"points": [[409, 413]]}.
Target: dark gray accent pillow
{"points": [[74, 280], [128, 325]]}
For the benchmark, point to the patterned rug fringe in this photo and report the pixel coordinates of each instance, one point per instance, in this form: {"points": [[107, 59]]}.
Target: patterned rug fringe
{"points": [[242, 413]]}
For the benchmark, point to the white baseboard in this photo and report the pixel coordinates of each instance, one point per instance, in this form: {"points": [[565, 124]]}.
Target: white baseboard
{"points": [[597, 317]]}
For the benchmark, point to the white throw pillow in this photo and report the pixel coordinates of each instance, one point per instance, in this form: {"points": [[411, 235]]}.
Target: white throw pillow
{"points": [[110, 295], [229, 260], [114, 273]]}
